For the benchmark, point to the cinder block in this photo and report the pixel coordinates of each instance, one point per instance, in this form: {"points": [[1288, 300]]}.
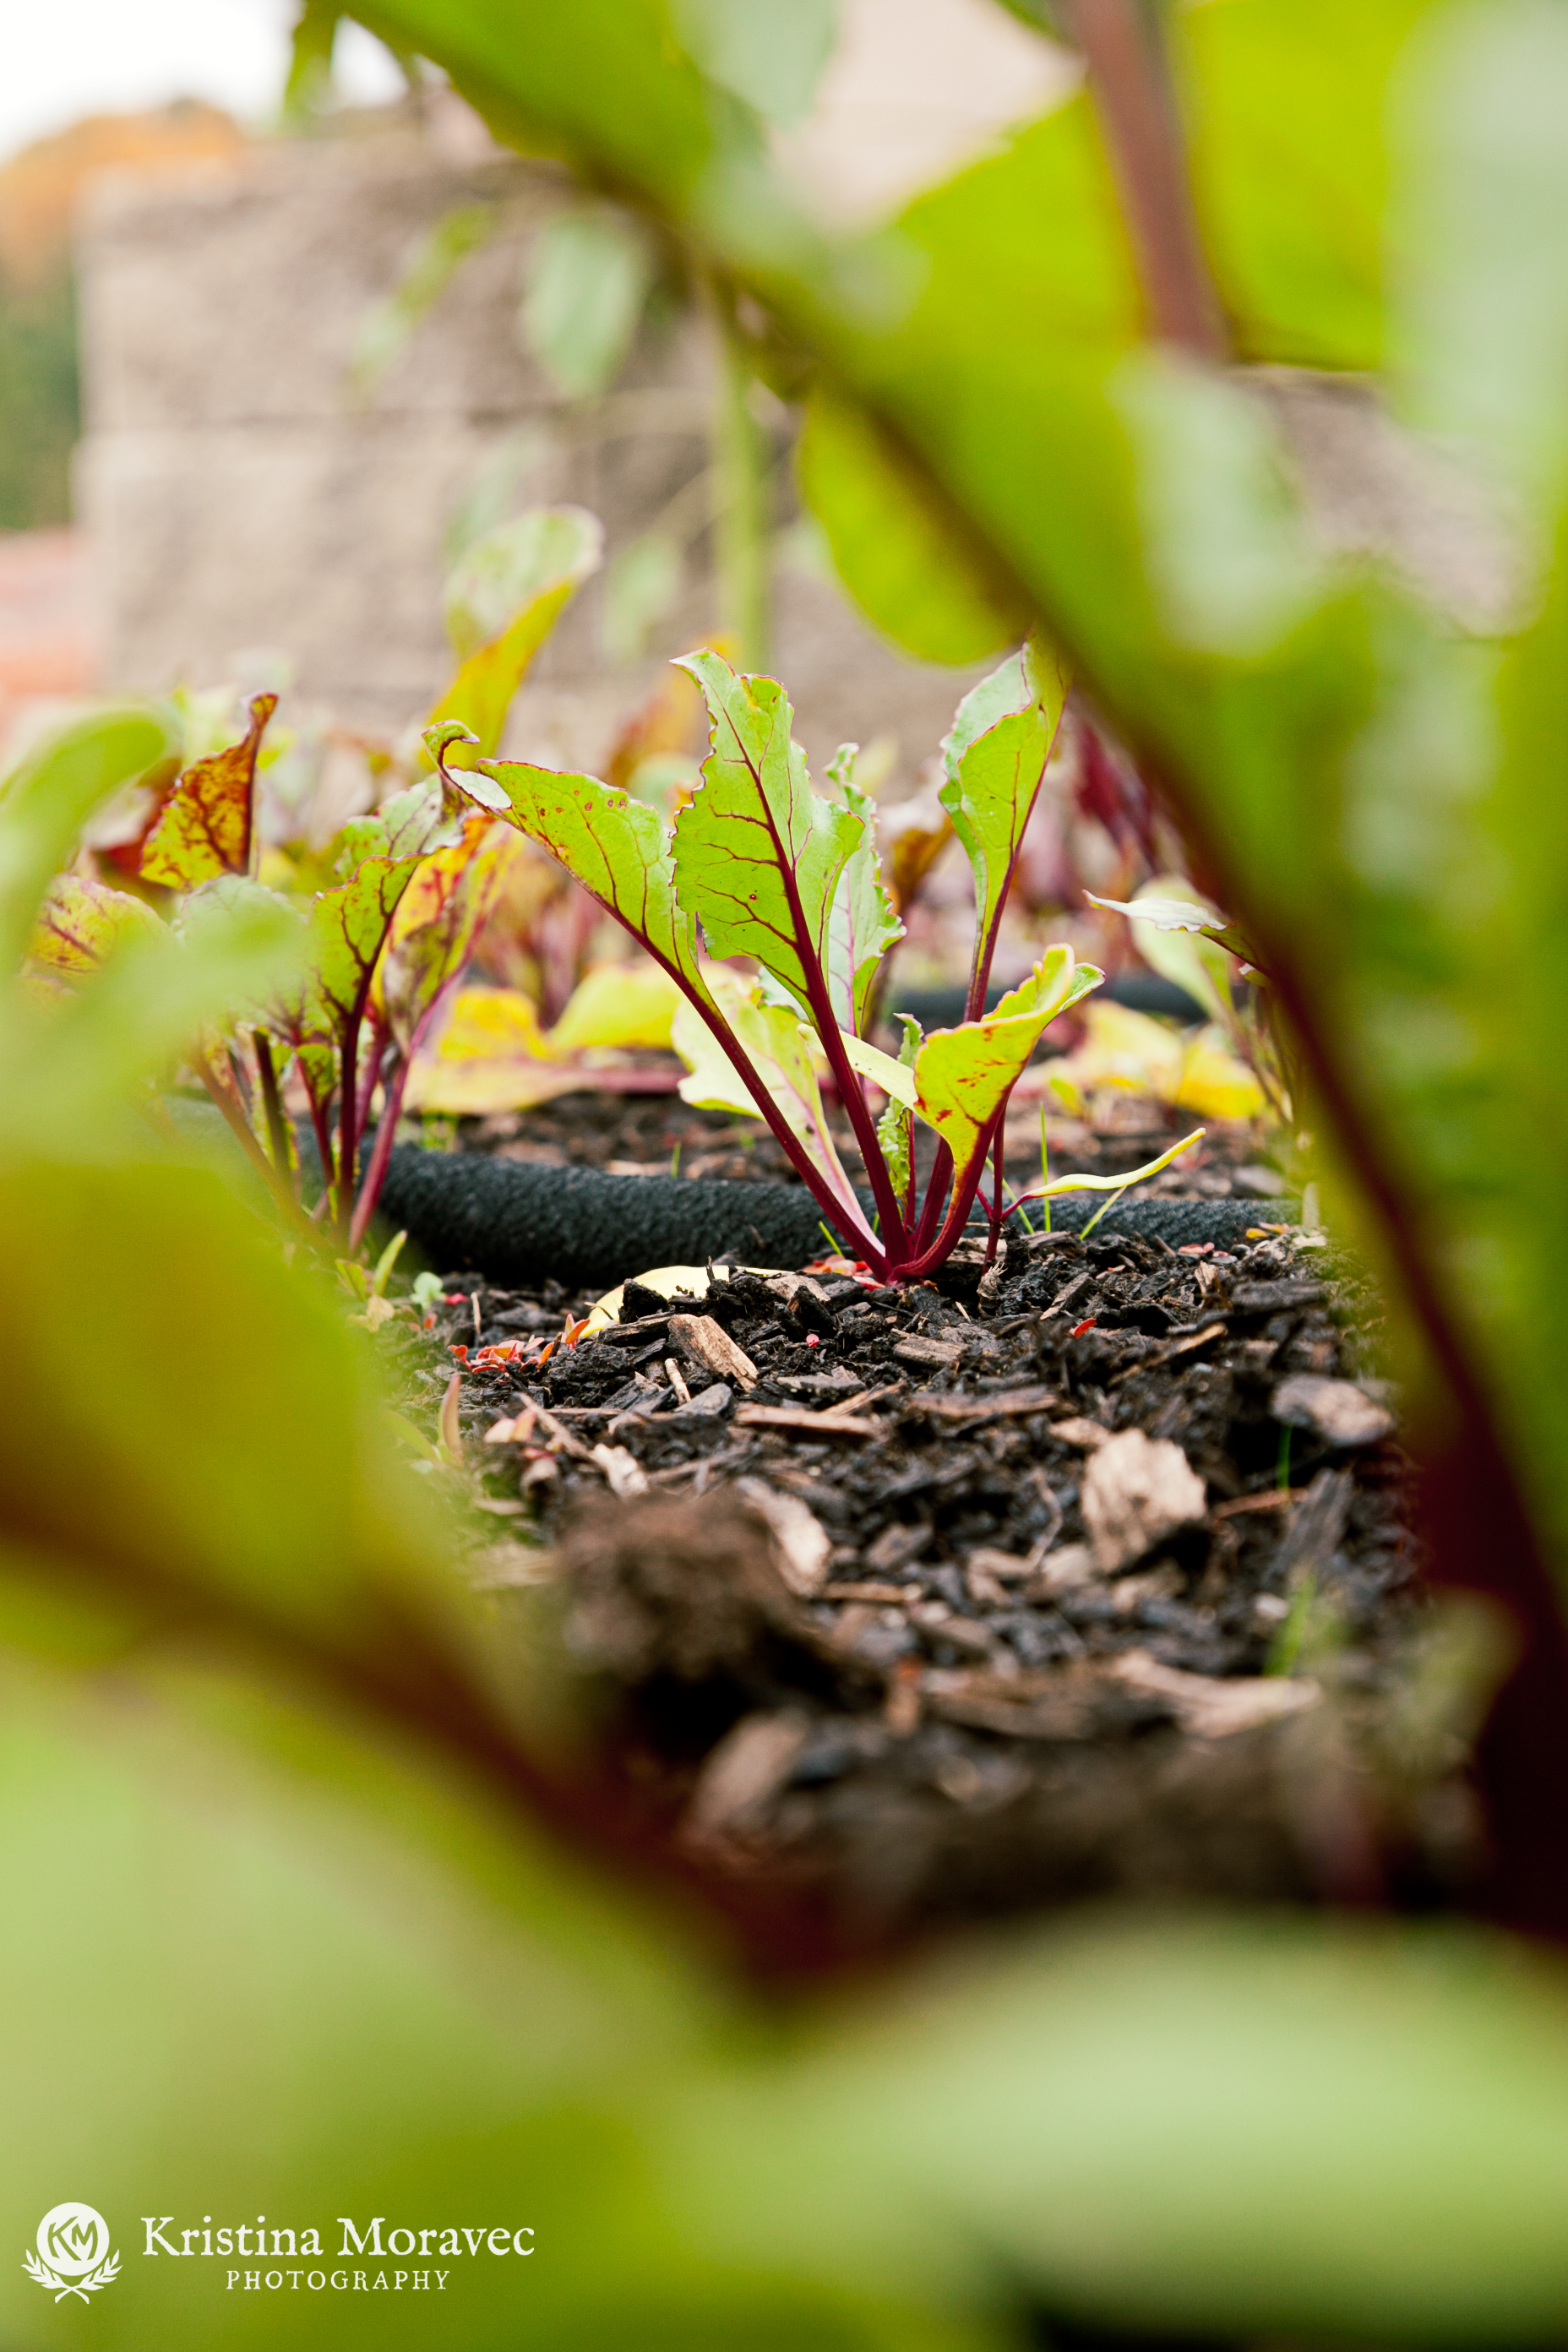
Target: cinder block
{"points": [[238, 297], [237, 492]]}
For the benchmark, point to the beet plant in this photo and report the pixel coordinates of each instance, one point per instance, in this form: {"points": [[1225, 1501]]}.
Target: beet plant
{"points": [[380, 948], [758, 865]]}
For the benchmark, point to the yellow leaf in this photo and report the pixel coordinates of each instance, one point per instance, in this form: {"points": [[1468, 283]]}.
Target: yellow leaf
{"points": [[490, 1024], [1215, 1084], [490, 1057], [1130, 1050], [623, 1005], [668, 1281], [477, 1088]]}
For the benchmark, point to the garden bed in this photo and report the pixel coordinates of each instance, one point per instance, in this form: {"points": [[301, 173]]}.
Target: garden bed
{"points": [[1091, 1574]]}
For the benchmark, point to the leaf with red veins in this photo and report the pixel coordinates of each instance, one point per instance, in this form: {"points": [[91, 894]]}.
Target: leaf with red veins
{"points": [[962, 1077], [758, 852], [120, 834], [206, 825], [349, 926], [81, 923], [410, 824], [434, 927], [616, 846], [996, 758]]}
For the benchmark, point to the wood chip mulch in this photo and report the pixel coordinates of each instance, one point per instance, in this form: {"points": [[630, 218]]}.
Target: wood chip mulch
{"points": [[1092, 1573]]}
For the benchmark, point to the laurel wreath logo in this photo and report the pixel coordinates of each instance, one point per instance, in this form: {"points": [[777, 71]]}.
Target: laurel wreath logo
{"points": [[46, 2277], [74, 2255]]}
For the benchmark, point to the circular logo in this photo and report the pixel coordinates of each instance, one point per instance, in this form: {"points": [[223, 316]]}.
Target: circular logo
{"points": [[73, 2240]]}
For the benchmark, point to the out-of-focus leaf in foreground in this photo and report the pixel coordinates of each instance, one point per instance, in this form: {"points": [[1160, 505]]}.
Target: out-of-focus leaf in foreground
{"points": [[588, 279], [281, 1936], [1185, 2126], [900, 558], [48, 798]]}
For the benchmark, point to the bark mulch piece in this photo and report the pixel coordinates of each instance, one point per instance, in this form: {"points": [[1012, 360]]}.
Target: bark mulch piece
{"points": [[1059, 1578]]}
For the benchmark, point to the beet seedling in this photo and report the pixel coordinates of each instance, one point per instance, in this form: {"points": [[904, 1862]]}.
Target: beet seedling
{"points": [[762, 866], [386, 942]]}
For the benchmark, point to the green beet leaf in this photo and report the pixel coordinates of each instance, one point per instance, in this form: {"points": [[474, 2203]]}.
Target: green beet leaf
{"points": [[616, 846], [995, 759], [862, 923], [757, 852], [962, 1077], [348, 930]]}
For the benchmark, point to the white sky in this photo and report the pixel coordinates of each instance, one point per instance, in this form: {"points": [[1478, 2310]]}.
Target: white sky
{"points": [[63, 59]]}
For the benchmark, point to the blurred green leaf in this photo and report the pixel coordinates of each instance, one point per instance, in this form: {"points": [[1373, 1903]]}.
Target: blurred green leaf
{"points": [[772, 57], [602, 83], [46, 799], [897, 555], [1290, 153], [389, 326], [1230, 555], [1188, 2127], [641, 584], [494, 489], [77, 1067], [1482, 226], [588, 279], [310, 82]]}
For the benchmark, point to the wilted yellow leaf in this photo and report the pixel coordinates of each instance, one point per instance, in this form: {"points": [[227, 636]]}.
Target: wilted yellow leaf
{"points": [[490, 1057], [1130, 1050], [490, 1024], [670, 1281], [622, 1005]]}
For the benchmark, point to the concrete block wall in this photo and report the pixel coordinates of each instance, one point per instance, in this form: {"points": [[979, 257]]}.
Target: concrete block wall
{"points": [[238, 494]]}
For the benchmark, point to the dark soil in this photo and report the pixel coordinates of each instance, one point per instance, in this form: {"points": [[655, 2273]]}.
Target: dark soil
{"points": [[848, 1626]]}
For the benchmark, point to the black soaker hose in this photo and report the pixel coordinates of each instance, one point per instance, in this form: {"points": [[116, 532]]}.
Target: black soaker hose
{"points": [[521, 1225]]}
